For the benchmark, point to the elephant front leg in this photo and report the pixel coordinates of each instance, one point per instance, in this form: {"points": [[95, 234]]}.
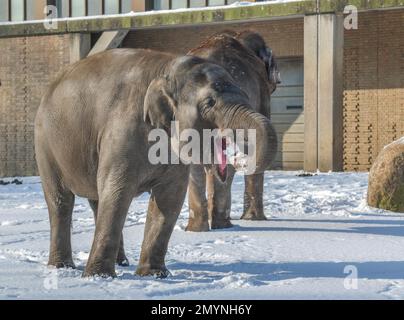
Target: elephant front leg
{"points": [[164, 208], [198, 205], [112, 209], [121, 259], [253, 202], [219, 200]]}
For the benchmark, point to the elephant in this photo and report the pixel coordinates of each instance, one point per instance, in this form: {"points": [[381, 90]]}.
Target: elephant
{"points": [[92, 139], [253, 66]]}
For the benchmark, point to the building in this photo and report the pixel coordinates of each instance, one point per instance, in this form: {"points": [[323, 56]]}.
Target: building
{"points": [[342, 96]]}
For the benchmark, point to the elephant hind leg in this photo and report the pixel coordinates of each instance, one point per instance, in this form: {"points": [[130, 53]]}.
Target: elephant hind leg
{"points": [[60, 203], [121, 259]]}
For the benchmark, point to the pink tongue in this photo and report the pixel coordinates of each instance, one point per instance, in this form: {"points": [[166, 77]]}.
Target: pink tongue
{"points": [[221, 148]]}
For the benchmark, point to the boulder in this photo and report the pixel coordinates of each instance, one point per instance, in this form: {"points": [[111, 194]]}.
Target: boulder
{"points": [[386, 178]]}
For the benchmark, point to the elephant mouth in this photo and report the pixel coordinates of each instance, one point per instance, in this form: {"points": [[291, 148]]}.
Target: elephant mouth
{"points": [[227, 152]]}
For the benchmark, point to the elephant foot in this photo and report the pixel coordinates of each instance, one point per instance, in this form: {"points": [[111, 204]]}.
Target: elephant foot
{"points": [[159, 273], [62, 265], [102, 274], [59, 263], [101, 270], [221, 224], [253, 215], [197, 225]]}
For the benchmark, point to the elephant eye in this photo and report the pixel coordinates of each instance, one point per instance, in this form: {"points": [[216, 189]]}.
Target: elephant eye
{"points": [[210, 102]]}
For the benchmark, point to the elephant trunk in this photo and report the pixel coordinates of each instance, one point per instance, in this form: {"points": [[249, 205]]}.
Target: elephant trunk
{"points": [[266, 142]]}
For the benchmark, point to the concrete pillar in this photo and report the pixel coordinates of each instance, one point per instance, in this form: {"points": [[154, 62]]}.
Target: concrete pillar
{"points": [[324, 43], [80, 45], [310, 93], [331, 49]]}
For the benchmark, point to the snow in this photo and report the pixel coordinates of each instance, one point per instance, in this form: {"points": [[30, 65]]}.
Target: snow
{"points": [[320, 232]]}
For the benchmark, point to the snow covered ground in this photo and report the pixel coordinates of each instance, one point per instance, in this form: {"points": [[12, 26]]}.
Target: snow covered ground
{"points": [[319, 236]]}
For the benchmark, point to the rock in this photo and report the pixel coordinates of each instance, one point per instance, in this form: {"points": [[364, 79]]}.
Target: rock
{"points": [[386, 178], [5, 183], [17, 182]]}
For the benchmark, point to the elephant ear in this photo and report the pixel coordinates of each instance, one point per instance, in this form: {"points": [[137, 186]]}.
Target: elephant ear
{"points": [[271, 66], [265, 55], [159, 106]]}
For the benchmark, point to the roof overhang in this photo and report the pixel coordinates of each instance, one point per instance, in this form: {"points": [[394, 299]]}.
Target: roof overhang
{"points": [[156, 19]]}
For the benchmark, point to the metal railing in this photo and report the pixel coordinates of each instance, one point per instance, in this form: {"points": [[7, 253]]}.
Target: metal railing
{"points": [[207, 3], [67, 9], [86, 7]]}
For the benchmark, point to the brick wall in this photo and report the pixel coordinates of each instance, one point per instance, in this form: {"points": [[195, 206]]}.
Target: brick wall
{"points": [[373, 87], [284, 36], [27, 65]]}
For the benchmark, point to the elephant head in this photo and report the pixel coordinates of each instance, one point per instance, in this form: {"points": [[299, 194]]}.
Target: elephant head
{"points": [[202, 95], [256, 43]]}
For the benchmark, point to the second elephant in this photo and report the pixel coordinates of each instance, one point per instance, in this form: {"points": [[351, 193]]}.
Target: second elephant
{"points": [[252, 65]]}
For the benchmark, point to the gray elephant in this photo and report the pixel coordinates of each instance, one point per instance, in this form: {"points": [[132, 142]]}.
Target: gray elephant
{"points": [[92, 140], [253, 66]]}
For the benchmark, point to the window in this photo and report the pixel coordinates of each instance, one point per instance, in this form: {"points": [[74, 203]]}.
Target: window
{"points": [[94, 7], [62, 6], [216, 2], [78, 8], [17, 10], [81, 8], [4, 10], [178, 4], [161, 4], [126, 6], [111, 6], [197, 3], [31, 10]]}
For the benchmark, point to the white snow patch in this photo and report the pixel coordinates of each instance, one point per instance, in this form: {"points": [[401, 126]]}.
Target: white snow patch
{"points": [[317, 226]]}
